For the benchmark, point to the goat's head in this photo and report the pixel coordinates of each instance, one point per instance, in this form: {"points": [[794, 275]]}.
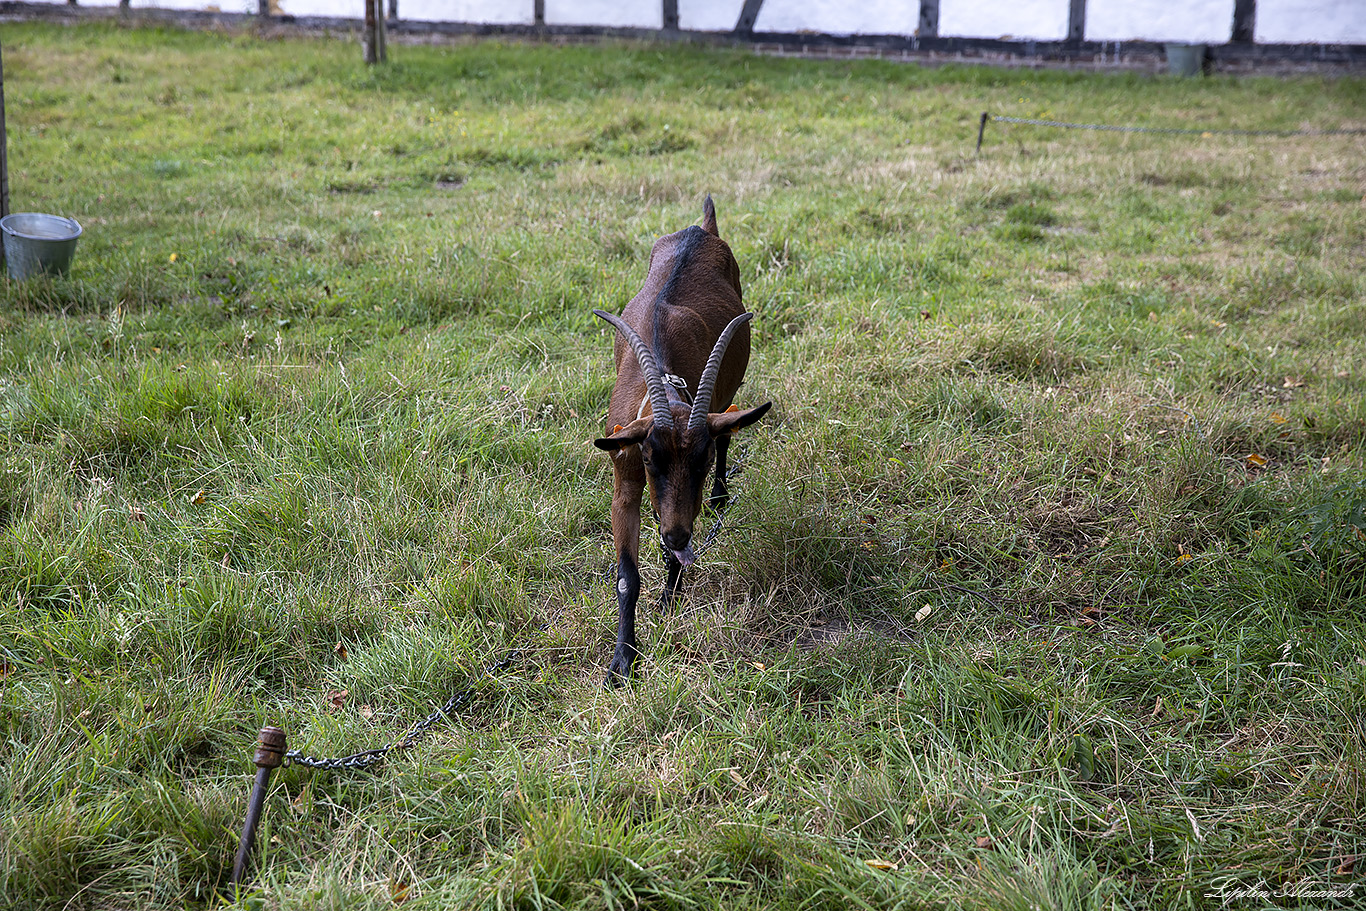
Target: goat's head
{"points": [[677, 441]]}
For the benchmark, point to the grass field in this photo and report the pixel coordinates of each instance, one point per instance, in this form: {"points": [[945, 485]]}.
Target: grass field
{"points": [[1044, 584]]}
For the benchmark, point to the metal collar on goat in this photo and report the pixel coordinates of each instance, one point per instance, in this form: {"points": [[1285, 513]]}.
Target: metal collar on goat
{"points": [[654, 383], [654, 378]]}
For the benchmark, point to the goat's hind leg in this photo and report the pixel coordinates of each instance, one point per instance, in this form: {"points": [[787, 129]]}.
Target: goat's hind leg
{"points": [[720, 496]]}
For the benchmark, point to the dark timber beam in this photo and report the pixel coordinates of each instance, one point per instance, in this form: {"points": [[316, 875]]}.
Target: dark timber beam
{"points": [[749, 14], [1244, 21], [1076, 21], [928, 27], [671, 15]]}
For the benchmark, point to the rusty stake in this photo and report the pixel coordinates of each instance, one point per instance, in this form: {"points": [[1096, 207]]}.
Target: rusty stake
{"points": [[270, 752]]}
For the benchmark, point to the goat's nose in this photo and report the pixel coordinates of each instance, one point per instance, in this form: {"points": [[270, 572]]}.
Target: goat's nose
{"points": [[678, 542]]}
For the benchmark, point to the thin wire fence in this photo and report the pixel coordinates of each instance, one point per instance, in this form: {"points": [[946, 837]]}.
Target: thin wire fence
{"points": [[987, 117]]}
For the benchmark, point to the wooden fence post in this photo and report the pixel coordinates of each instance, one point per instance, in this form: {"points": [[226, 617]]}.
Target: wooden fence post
{"points": [[368, 35], [381, 33], [4, 148], [374, 39]]}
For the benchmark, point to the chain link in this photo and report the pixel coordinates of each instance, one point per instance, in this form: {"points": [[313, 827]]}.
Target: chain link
{"points": [[715, 530], [367, 758]]}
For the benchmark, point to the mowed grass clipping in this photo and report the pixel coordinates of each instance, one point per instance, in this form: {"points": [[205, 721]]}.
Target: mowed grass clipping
{"points": [[1043, 587]]}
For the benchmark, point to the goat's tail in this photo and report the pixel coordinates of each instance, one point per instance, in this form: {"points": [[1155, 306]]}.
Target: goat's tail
{"points": [[709, 217]]}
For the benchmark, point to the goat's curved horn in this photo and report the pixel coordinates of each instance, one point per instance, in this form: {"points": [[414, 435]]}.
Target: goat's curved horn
{"points": [[702, 401], [654, 383]]}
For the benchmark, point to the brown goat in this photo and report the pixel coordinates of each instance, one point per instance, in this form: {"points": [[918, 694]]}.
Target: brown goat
{"points": [[686, 329]]}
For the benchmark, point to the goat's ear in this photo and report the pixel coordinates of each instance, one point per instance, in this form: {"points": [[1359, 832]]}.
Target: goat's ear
{"points": [[629, 435], [727, 422]]}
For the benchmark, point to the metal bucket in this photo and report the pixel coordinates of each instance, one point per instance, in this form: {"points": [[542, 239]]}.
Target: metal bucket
{"points": [[1185, 59], [37, 243]]}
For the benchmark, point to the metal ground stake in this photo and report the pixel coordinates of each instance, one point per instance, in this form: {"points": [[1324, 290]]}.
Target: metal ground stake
{"points": [[270, 753]]}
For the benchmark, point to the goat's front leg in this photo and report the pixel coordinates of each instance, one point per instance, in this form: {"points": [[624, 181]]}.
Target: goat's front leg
{"points": [[673, 585], [626, 541]]}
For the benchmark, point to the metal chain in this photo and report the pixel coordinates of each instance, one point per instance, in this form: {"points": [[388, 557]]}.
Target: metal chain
{"points": [[710, 537], [367, 758], [715, 530], [1197, 132]]}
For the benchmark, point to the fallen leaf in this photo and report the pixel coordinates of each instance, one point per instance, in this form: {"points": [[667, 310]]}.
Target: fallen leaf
{"points": [[758, 665], [337, 699], [880, 864], [1277, 417], [136, 513], [922, 614], [339, 650], [1256, 460], [5, 669], [174, 257], [198, 497], [1293, 382], [984, 841], [1183, 558], [398, 891], [366, 712], [737, 777]]}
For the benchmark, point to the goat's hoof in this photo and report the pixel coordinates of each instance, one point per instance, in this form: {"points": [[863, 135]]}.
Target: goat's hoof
{"points": [[718, 501], [618, 672]]}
